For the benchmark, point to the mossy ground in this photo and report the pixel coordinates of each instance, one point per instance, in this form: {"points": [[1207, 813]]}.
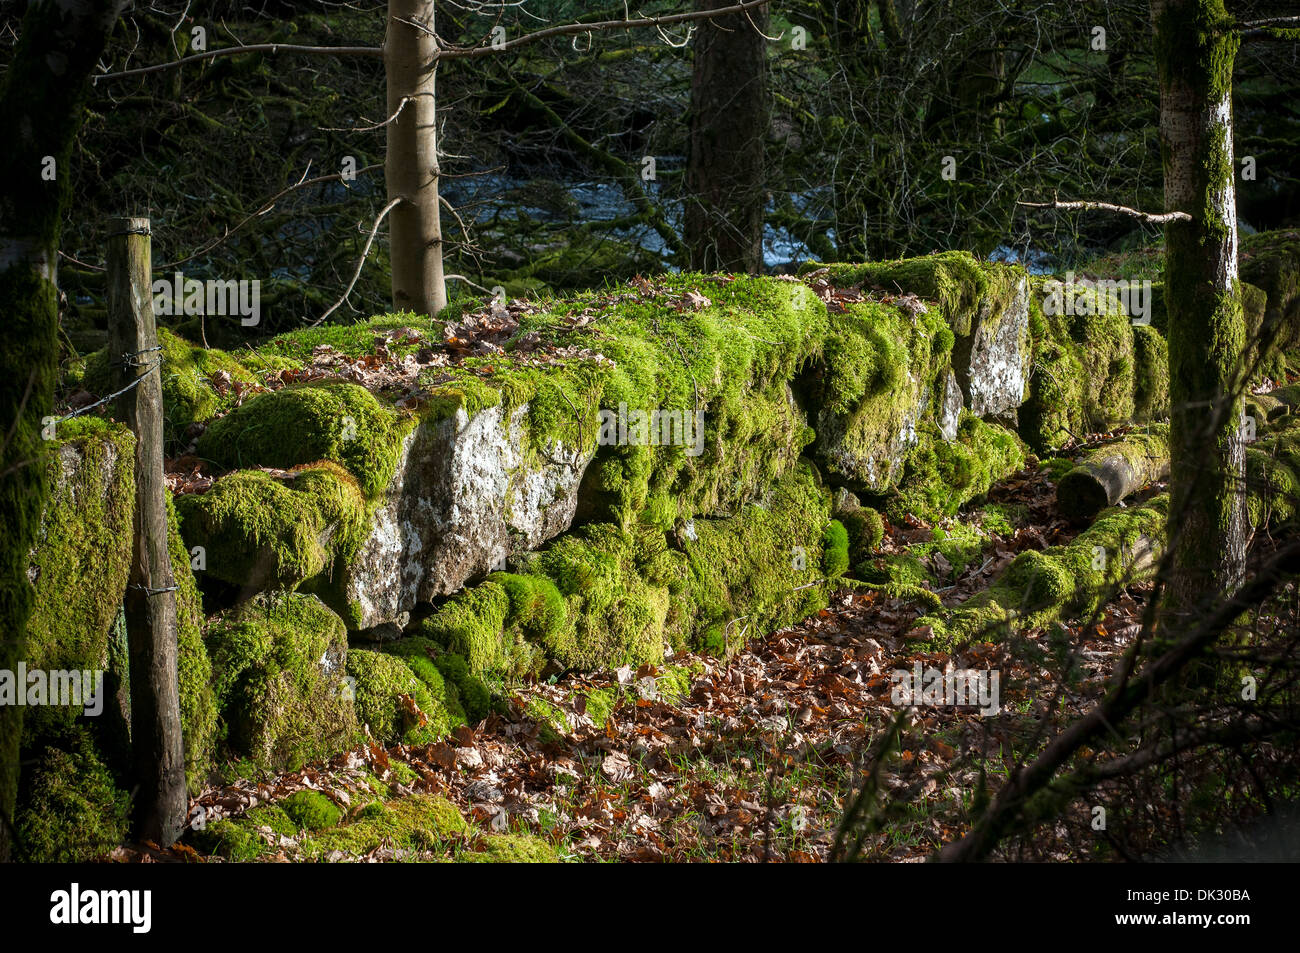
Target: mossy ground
{"points": [[416, 827]]}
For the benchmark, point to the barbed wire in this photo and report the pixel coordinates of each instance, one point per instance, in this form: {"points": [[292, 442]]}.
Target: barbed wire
{"points": [[128, 360]]}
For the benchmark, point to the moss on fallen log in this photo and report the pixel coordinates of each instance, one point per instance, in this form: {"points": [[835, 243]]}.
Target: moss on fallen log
{"points": [[1042, 586], [1106, 475]]}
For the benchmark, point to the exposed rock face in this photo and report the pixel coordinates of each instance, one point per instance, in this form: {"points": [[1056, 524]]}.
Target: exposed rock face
{"points": [[950, 410], [466, 495], [992, 364]]}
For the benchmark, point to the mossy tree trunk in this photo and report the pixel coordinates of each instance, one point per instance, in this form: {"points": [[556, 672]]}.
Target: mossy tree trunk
{"points": [[411, 167], [1195, 50], [728, 127], [40, 111]]}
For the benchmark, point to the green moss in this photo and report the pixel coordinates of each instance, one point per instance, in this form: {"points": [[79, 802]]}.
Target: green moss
{"points": [[552, 720], [198, 708], [1039, 587], [866, 531], [615, 586], [300, 424], [355, 340], [1271, 261], [82, 556], [261, 532], [421, 822], [1273, 475], [234, 841], [402, 773], [1056, 467], [27, 340], [396, 704], [835, 549], [600, 705], [861, 424], [188, 392], [674, 683], [274, 817], [731, 361], [310, 811], [954, 279], [755, 572], [513, 849], [602, 596], [1003, 518], [474, 625], [941, 476], [277, 681], [475, 698], [1086, 369], [70, 808], [1151, 375], [918, 569]]}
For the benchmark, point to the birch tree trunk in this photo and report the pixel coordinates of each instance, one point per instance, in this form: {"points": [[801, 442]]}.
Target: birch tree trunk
{"points": [[411, 164], [1195, 50]]}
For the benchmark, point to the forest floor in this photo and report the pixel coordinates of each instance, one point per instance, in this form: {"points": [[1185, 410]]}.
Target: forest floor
{"points": [[749, 758]]}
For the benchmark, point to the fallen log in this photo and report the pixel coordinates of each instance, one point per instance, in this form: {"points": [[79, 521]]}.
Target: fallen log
{"points": [[1106, 475], [1067, 581]]}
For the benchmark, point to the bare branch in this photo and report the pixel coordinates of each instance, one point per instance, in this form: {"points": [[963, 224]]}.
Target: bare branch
{"points": [[374, 51], [1273, 28], [1123, 698], [360, 264], [1150, 218], [569, 29], [262, 209], [378, 125]]}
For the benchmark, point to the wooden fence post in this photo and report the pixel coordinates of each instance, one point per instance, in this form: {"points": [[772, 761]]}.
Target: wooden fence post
{"points": [[150, 603]]}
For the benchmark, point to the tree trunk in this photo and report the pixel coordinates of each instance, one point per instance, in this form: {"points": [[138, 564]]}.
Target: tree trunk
{"points": [[40, 111], [728, 127], [1106, 475], [411, 164], [150, 601], [1195, 50]]}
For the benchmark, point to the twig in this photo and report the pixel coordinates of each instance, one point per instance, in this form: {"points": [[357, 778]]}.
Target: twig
{"points": [[1268, 29], [474, 285], [569, 29], [1151, 218], [360, 264], [374, 51], [378, 125], [262, 209], [451, 54]]}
